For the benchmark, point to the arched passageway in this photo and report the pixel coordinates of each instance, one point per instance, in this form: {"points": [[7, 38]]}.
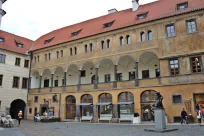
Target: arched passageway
{"points": [[16, 106], [70, 107], [105, 108], [148, 100]]}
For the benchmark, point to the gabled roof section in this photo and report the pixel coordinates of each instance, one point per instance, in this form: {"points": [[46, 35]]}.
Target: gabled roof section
{"points": [[11, 41], [156, 10]]}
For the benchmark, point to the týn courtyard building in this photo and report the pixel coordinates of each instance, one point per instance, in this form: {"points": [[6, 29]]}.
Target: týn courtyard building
{"points": [[113, 65]]}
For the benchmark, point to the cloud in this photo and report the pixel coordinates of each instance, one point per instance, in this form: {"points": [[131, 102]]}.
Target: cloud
{"points": [[34, 18]]}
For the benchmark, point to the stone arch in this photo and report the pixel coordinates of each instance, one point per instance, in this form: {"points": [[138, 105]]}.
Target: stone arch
{"points": [[35, 79], [58, 76], [46, 78], [88, 70], [72, 74], [16, 106], [149, 66]]}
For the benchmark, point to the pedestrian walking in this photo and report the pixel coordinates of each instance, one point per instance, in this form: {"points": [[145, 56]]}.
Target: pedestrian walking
{"points": [[199, 117], [184, 116], [20, 114]]}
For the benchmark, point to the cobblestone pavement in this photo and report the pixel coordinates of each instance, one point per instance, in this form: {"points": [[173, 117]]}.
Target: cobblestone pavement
{"points": [[29, 128]]}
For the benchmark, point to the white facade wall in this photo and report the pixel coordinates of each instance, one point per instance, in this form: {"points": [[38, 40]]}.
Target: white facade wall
{"points": [[9, 70]]}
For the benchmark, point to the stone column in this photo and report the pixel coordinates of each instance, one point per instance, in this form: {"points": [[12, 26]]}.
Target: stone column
{"points": [[115, 77], [40, 84], [136, 74], [51, 82], [79, 80], [95, 113], [96, 79]]}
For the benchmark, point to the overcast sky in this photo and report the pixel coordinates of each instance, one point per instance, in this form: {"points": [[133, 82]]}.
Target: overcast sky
{"points": [[33, 18]]}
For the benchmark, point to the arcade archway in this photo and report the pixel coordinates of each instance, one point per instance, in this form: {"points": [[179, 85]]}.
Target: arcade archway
{"points": [[16, 106]]}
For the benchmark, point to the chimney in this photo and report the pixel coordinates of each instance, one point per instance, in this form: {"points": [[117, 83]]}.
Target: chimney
{"points": [[135, 5], [112, 11]]}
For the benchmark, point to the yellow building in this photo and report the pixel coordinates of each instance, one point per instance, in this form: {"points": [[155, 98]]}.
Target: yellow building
{"points": [[111, 66]]}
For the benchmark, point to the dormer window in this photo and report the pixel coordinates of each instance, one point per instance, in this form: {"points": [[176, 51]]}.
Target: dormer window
{"points": [[1, 40], [76, 33], [181, 6], [48, 40], [109, 24], [142, 16], [19, 45]]}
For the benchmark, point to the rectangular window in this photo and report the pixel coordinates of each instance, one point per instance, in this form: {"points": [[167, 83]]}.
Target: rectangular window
{"points": [[25, 83], [2, 58], [38, 58], [70, 51], [36, 111], [145, 73], [26, 63], [191, 26], [83, 73], [56, 83], [1, 80], [196, 64], [170, 29], [174, 66], [30, 110], [177, 99], [36, 99], [182, 5], [46, 82], [107, 78], [157, 72], [16, 82], [62, 82], [119, 77], [18, 62], [132, 75]]}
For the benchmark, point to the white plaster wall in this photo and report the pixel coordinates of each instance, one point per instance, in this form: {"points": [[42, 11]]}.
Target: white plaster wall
{"points": [[9, 70], [102, 71], [72, 76], [46, 75], [125, 69], [59, 75]]}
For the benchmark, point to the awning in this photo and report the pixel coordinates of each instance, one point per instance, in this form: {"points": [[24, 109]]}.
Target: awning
{"points": [[121, 103], [85, 104], [104, 103]]}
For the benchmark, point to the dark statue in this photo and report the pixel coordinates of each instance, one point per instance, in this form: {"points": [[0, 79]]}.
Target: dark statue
{"points": [[159, 104]]}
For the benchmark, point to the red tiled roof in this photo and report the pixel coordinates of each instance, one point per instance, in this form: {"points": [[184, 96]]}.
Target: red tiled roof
{"points": [[156, 10], [10, 42]]}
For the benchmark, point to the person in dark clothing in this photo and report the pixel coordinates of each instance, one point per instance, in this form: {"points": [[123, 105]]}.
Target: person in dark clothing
{"points": [[184, 116]]}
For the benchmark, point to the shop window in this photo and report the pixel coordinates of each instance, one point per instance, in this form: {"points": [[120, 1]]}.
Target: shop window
{"points": [[145, 74], [26, 63], [1, 80], [107, 78], [30, 110], [119, 77], [36, 99], [170, 30], [191, 26], [177, 99], [56, 83], [18, 62], [83, 73], [25, 83], [177, 119], [46, 82], [196, 64], [2, 58], [132, 75], [16, 82], [174, 66]]}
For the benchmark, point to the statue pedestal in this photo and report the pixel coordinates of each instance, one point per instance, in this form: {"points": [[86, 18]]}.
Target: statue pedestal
{"points": [[160, 122]]}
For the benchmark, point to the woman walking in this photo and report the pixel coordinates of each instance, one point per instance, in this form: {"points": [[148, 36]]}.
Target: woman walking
{"points": [[19, 117]]}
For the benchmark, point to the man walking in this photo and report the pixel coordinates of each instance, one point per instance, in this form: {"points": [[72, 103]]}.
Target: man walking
{"points": [[184, 116]]}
